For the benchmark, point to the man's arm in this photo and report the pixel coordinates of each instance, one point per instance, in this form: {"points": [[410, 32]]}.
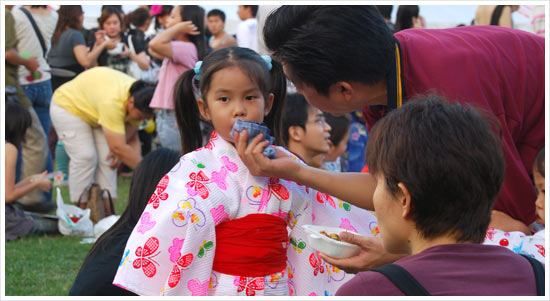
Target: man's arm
{"points": [[123, 151]]}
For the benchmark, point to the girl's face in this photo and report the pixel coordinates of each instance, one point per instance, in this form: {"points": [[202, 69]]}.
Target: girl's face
{"points": [[539, 184], [231, 96], [174, 18], [389, 212], [112, 26]]}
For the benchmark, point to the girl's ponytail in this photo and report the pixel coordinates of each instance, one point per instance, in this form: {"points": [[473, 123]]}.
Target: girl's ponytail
{"points": [[278, 88], [187, 113]]}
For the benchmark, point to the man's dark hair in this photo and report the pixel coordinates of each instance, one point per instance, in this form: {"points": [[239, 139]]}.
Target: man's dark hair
{"points": [[216, 12], [339, 127], [142, 93], [253, 9], [450, 160], [385, 10], [295, 114], [321, 45]]}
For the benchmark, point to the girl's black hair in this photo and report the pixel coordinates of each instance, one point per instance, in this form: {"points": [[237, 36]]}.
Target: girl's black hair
{"points": [[18, 120], [143, 93], [166, 9], [195, 14], [137, 17], [251, 63], [405, 15], [146, 177], [539, 162]]}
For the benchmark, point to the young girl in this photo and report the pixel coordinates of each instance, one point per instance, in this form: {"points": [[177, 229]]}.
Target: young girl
{"points": [[516, 240], [214, 229], [20, 223], [180, 46]]}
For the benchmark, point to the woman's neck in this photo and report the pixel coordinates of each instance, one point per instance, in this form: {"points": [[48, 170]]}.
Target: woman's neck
{"points": [[182, 37], [219, 35], [419, 244]]}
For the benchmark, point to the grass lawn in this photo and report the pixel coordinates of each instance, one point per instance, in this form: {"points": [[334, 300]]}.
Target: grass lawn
{"points": [[47, 265]]}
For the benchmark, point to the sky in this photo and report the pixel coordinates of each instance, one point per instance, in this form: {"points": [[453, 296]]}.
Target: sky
{"points": [[436, 16]]}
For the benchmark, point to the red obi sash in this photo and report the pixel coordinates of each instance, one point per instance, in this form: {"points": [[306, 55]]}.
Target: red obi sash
{"points": [[251, 246]]}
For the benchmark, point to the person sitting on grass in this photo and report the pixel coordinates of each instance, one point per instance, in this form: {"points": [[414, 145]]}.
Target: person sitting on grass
{"points": [[99, 268], [305, 131], [21, 223]]}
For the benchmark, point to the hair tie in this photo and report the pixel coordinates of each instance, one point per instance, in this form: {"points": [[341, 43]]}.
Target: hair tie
{"points": [[197, 70], [267, 60]]}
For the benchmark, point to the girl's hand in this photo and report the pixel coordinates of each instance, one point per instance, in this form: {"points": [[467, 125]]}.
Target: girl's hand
{"points": [[99, 37], [188, 27], [283, 166], [41, 181]]}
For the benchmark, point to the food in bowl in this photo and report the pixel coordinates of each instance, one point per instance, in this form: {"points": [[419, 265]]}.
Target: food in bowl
{"points": [[331, 235], [327, 240]]}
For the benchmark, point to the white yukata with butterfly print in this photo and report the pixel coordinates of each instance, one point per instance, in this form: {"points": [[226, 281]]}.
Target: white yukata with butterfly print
{"points": [[171, 250]]}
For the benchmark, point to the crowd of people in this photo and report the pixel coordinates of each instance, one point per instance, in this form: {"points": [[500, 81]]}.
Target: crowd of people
{"points": [[433, 165]]}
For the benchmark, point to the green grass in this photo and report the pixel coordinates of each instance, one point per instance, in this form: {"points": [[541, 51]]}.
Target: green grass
{"points": [[47, 265]]}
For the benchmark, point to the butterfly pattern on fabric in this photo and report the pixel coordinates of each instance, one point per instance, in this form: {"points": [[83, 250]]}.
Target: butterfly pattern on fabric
{"points": [[159, 194], [145, 256]]}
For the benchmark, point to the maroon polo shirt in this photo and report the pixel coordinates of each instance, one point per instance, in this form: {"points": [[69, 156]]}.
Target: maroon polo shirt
{"points": [[498, 70]]}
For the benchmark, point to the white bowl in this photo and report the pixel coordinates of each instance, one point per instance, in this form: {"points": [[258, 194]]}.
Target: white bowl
{"points": [[327, 245]]}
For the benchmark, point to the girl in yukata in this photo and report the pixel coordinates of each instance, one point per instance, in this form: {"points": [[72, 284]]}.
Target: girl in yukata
{"points": [[211, 228], [515, 239]]}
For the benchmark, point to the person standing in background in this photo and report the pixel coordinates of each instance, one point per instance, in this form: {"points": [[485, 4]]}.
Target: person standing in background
{"points": [[500, 15], [180, 46], [216, 26], [34, 26], [246, 32], [34, 148], [408, 16]]}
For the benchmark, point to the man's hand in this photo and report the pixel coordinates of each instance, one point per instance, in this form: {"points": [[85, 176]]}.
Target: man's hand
{"points": [[283, 166], [372, 254], [114, 161]]}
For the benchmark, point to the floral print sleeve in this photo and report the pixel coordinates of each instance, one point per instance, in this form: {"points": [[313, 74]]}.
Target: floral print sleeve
{"points": [[518, 242]]}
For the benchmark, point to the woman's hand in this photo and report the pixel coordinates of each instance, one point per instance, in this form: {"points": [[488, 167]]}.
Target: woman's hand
{"points": [[283, 166], [372, 254], [188, 27], [41, 181]]}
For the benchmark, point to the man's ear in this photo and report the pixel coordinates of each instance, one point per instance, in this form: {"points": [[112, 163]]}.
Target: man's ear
{"points": [[295, 133], [343, 90], [268, 104], [203, 109], [404, 197]]}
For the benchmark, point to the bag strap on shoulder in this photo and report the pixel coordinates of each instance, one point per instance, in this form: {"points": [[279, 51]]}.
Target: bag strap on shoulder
{"points": [[402, 279], [36, 31], [538, 269]]}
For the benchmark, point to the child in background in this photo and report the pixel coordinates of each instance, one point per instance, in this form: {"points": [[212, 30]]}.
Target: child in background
{"points": [[180, 46], [216, 26], [517, 241], [306, 133], [357, 144], [339, 135], [211, 228]]}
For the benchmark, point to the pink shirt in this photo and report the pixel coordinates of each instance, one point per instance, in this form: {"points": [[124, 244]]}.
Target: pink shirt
{"points": [[184, 57]]}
